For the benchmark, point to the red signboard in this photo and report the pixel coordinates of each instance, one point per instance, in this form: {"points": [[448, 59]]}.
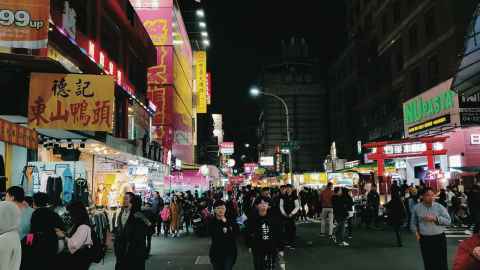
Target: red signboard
{"points": [[18, 135]]}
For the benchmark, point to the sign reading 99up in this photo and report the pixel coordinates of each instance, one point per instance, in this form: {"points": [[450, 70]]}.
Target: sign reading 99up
{"points": [[20, 18], [24, 23]]}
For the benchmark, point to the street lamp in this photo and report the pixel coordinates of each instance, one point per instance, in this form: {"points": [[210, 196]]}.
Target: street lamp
{"points": [[202, 25], [255, 92]]}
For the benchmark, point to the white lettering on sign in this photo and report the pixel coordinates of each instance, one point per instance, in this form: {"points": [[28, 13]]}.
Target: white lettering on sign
{"points": [[410, 148], [475, 139]]}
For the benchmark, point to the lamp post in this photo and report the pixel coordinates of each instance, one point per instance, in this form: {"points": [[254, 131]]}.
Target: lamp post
{"points": [[255, 92]]}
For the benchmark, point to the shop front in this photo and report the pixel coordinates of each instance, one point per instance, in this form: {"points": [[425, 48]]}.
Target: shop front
{"points": [[18, 145], [440, 140]]}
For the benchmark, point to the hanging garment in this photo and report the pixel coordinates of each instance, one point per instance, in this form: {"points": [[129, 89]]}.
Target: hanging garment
{"points": [[30, 180], [54, 190], [67, 186], [80, 191], [3, 184]]}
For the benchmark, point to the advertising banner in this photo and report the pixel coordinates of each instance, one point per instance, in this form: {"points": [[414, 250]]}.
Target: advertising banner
{"points": [[227, 148], [436, 107], [201, 80], [158, 23], [71, 101], [24, 23], [209, 88], [18, 135]]}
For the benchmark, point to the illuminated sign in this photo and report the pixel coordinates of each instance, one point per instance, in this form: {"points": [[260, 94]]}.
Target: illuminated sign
{"points": [[227, 148], [268, 161], [410, 148], [429, 124], [419, 108]]}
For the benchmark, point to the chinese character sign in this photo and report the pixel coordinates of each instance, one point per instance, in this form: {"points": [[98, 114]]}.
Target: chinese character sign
{"points": [[24, 23], [71, 101], [201, 80]]}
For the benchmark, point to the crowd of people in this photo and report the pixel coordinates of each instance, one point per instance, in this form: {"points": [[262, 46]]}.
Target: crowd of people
{"points": [[266, 218]]}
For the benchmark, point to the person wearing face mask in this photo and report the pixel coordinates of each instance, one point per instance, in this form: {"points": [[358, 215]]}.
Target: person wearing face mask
{"points": [[223, 249], [10, 249]]}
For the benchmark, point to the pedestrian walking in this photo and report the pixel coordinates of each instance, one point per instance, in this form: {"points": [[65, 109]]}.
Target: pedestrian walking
{"points": [[373, 206], [130, 235], [327, 210], [157, 206], [468, 252], [351, 212], [10, 249], [289, 207], [166, 219], [264, 237], [223, 231], [175, 213], [442, 198], [78, 241], [341, 207], [428, 219], [152, 218], [396, 216], [41, 245], [16, 195]]}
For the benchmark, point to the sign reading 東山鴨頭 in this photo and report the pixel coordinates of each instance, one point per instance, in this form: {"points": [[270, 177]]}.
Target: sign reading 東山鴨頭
{"points": [[436, 107], [24, 23], [71, 101]]}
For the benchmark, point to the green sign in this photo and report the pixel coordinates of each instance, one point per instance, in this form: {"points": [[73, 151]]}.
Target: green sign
{"points": [[292, 145], [419, 109]]}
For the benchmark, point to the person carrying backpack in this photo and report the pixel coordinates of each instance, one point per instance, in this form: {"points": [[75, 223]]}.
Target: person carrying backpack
{"points": [[165, 216], [78, 242]]}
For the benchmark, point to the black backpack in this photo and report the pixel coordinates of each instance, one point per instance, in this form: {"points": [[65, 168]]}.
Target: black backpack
{"points": [[97, 251]]}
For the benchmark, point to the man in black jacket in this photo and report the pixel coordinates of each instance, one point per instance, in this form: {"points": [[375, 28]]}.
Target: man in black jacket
{"points": [[340, 213], [264, 236], [373, 205], [289, 207]]}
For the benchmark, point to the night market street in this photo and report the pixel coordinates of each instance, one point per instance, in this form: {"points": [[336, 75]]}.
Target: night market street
{"points": [[369, 250]]}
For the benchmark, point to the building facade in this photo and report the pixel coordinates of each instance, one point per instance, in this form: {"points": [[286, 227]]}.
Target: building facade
{"points": [[396, 50], [296, 81]]}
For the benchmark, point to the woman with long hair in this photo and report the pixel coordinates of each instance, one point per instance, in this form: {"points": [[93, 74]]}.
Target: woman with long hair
{"points": [[130, 235], [223, 249], [175, 212], [79, 239]]}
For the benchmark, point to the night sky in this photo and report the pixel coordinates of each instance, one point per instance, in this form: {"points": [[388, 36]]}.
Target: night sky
{"points": [[246, 34]]}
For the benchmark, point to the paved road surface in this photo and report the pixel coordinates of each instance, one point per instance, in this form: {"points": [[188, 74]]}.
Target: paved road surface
{"points": [[372, 250]]}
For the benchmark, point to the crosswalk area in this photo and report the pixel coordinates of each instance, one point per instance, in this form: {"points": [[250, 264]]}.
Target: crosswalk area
{"points": [[460, 232]]}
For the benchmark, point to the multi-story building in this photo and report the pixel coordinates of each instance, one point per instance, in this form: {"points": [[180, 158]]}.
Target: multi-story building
{"points": [[295, 80], [104, 39], [396, 50]]}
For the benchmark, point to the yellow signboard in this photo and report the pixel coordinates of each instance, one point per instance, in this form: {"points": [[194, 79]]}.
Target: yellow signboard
{"points": [[315, 178], [201, 80], [71, 101]]}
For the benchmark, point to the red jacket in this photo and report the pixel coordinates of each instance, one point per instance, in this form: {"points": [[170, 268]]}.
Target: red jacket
{"points": [[326, 198], [464, 260]]}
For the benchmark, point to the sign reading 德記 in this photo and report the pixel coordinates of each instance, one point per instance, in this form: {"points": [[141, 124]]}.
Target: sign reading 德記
{"points": [[71, 101]]}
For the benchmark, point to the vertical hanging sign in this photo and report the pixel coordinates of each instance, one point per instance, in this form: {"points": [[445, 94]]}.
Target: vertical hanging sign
{"points": [[200, 58]]}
